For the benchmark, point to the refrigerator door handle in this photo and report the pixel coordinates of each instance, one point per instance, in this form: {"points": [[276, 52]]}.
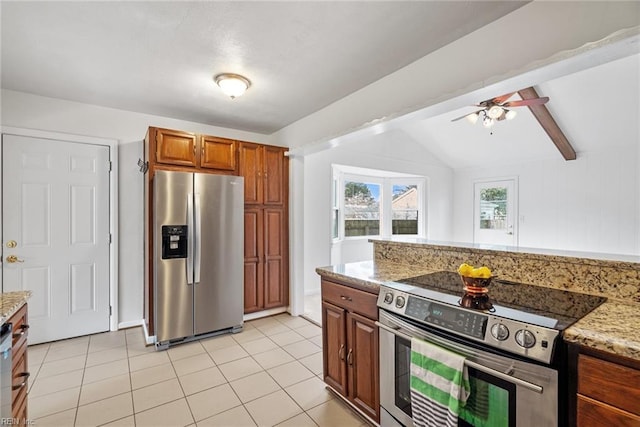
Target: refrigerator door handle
{"points": [[190, 239], [198, 240]]}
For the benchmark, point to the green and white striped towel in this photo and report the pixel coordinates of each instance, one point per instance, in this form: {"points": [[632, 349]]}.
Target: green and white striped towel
{"points": [[439, 385]]}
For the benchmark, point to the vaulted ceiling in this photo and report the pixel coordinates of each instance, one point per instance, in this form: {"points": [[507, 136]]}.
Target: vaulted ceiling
{"points": [[595, 107]]}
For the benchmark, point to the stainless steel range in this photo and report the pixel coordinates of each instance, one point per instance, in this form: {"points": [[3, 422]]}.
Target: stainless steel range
{"points": [[514, 351]]}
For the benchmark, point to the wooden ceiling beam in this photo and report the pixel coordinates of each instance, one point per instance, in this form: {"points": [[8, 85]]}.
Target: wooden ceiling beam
{"points": [[546, 120]]}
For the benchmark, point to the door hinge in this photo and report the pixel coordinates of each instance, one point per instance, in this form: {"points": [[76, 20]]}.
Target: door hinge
{"points": [[110, 165], [110, 310], [110, 238]]}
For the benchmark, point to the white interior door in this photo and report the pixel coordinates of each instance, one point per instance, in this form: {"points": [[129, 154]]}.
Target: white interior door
{"points": [[55, 222], [494, 213]]}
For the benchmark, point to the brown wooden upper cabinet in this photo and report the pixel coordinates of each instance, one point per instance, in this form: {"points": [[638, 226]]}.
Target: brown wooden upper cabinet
{"points": [[218, 153], [174, 147], [263, 169], [186, 149]]}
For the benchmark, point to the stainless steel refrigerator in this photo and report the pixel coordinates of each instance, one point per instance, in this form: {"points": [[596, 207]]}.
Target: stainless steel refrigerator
{"points": [[198, 226]]}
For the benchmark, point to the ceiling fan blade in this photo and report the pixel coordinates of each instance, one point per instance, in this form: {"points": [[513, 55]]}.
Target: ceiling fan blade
{"points": [[532, 101], [502, 98], [462, 117]]}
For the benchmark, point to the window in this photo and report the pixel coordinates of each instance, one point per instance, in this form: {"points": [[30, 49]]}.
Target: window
{"points": [[361, 209], [405, 212], [376, 203]]}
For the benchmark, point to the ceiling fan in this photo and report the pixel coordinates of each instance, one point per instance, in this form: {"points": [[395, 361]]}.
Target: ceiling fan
{"points": [[496, 109]]}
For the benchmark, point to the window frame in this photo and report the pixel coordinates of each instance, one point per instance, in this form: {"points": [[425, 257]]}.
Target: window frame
{"points": [[386, 180]]}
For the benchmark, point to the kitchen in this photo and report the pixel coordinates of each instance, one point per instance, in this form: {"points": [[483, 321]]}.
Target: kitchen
{"points": [[30, 111]]}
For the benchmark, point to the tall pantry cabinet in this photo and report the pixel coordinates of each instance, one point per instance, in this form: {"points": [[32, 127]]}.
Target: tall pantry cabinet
{"points": [[265, 170]]}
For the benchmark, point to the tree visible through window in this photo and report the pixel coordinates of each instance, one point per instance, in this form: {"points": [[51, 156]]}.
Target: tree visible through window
{"points": [[361, 209], [493, 208]]}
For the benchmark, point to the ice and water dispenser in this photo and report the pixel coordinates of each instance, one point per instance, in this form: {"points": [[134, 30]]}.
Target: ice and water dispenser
{"points": [[174, 241]]}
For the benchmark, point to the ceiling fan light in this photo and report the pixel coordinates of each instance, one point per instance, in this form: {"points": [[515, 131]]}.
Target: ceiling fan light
{"points": [[473, 118], [495, 112], [232, 85], [510, 114], [487, 122]]}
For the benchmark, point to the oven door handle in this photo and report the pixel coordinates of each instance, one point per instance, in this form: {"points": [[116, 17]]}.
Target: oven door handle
{"points": [[533, 387]]}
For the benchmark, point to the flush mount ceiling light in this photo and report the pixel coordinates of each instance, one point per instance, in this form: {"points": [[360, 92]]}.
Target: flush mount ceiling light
{"points": [[233, 85]]}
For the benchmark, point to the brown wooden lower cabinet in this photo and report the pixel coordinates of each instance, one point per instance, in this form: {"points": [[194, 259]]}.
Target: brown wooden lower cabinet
{"points": [[265, 259], [350, 346], [608, 391], [19, 370]]}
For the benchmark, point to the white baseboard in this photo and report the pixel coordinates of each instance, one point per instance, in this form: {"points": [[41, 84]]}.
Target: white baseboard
{"points": [[130, 324], [265, 313]]}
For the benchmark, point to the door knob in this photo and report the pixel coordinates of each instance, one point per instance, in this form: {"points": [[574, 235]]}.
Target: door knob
{"points": [[12, 258]]}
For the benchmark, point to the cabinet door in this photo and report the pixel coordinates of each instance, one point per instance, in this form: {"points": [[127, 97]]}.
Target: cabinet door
{"points": [[334, 345], [274, 258], [176, 148], [251, 169], [274, 175], [593, 413], [362, 364], [253, 270], [218, 153]]}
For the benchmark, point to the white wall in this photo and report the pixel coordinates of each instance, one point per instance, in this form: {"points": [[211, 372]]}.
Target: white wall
{"points": [[392, 151], [589, 204], [35, 112]]}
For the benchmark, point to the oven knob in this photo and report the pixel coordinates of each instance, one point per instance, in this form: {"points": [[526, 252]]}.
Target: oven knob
{"points": [[500, 332], [525, 338], [400, 302], [388, 297]]}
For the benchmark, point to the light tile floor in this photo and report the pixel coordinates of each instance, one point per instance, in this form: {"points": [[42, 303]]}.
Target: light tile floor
{"points": [[269, 374]]}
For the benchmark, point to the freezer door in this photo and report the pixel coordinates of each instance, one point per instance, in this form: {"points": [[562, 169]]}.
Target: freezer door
{"points": [[219, 252], [173, 269]]}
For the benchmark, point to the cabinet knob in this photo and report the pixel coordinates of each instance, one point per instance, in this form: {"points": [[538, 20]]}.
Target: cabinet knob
{"points": [[23, 330], [24, 375], [350, 357], [341, 353]]}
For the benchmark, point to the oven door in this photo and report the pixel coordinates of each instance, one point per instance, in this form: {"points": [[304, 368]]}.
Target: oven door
{"points": [[504, 392]]}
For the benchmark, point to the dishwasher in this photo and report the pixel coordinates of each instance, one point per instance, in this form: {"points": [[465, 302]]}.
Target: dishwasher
{"points": [[5, 371]]}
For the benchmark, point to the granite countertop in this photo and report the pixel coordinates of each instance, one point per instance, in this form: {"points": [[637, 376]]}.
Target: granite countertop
{"points": [[11, 302], [614, 327], [367, 275]]}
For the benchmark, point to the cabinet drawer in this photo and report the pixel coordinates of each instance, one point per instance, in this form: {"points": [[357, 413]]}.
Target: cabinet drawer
{"points": [[19, 380], [592, 413], [20, 326], [350, 299], [609, 382]]}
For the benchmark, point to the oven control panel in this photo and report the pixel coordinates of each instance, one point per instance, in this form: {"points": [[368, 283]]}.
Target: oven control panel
{"points": [[532, 341], [447, 317]]}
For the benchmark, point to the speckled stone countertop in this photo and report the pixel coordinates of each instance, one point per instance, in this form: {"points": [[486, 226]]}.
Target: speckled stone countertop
{"points": [[11, 302], [614, 327], [368, 275]]}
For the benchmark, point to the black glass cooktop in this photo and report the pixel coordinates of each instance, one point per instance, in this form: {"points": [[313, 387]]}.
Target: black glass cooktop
{"points": [[514, 300]]}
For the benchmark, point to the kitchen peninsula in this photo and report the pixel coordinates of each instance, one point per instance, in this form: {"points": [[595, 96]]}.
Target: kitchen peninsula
{"points": [[610, 333]]}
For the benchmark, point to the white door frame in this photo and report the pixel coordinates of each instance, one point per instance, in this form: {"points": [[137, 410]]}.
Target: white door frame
{"points": [[516, 202], [113, 201]]}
